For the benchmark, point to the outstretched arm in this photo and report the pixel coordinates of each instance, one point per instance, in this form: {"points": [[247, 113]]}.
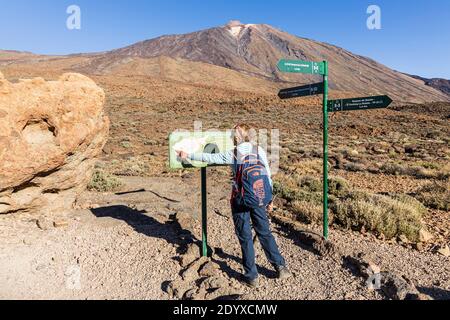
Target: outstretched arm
{"points": [[217, 158]]}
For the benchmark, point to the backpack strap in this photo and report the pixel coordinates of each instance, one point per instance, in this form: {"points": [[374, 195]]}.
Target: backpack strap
{"points": [[236, 165]]}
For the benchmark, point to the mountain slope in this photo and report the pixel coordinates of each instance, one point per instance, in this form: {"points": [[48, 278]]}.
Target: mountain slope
{"points": [[440, 84], [240, 57], [256, 49]]}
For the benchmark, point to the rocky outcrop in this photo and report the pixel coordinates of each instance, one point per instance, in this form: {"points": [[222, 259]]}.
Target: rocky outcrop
{"points": [[202, 279], [50, 135]]}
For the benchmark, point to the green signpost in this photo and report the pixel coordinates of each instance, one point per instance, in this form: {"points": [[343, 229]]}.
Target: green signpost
{"points": [[199, 142], [303, 91], [297, 66], [366, 103], [321, 68]]}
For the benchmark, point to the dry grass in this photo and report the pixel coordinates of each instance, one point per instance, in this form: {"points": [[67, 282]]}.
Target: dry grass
{"points": [[426, 170], [133, 167], [391, 217], [435, 195], [307, 212]]}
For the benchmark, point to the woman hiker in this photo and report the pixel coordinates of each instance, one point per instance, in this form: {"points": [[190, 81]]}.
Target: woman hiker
{"points": [[251, 199]]}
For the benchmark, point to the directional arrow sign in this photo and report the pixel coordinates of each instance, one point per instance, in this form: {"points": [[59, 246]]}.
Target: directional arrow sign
{"points": [[303, 91], [297, 66], [377, 102]]}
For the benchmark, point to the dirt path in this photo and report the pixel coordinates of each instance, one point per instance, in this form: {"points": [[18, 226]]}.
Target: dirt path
{"points": [[127, 246]]}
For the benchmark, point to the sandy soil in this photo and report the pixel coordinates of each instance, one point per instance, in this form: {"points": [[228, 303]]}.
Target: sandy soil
{"points": [[127, 246]]}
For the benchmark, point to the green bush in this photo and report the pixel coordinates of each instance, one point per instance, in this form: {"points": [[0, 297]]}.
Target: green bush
{"points": [[310, 184], [391, 215], [404, 170], [307, 212], [435, 195], [385, 215], [338, 187], [103, 182]]}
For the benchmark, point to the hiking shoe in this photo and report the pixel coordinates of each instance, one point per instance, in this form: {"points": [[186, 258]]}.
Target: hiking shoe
{"points": [[283, 273], [251, 283]]}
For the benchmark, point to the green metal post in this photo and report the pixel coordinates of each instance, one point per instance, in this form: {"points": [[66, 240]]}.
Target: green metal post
{"points": [[325, 151], [204, 214]]}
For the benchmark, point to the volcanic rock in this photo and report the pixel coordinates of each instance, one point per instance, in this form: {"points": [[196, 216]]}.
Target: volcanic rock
{"points": [[50, 135]]}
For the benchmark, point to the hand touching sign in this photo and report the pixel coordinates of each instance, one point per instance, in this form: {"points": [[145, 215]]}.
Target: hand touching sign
{"points": [[182, 155]]}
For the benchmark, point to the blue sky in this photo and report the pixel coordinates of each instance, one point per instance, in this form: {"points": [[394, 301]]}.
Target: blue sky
{"points": [[415, 35]]}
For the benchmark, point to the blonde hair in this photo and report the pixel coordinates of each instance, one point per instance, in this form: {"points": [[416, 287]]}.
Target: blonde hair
{"points": [[244, 133]]}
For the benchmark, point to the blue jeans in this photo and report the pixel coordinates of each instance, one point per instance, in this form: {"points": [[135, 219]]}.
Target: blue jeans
{"points": [[243, 217]]}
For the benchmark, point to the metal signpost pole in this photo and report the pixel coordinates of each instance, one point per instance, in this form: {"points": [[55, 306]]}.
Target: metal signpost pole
{"points": [[325, 150], [204, 214]]}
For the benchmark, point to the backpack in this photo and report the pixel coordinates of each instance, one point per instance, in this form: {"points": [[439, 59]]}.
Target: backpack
{"points": [[251, 186]]}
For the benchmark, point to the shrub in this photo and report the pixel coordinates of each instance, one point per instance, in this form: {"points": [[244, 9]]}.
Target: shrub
{"points": [[103, 182], [391, 217], [295, 194], [435, 195], [355, 167], [311, 184], [338, 187], [415, 171], [126, 144], [133, 167], [307, 212]]}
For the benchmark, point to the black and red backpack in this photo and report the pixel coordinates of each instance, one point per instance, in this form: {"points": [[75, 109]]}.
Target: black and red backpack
{"points": [[251, 187]]}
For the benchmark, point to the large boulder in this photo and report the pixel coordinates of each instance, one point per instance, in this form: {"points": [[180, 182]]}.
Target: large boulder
{"points": [[50, 135]]}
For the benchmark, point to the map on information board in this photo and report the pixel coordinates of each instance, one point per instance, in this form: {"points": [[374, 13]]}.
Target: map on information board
{"points": [[197, 142]]}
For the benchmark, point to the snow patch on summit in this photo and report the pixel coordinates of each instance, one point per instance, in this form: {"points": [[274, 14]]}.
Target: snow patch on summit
{"points": [[235, 28], [235, 31]]}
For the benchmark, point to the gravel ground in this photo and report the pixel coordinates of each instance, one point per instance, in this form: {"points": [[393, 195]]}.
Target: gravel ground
{"points": [[127, 247]]}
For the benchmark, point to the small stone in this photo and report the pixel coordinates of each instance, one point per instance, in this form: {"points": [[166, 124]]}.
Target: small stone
{"points": [[419, 246], [215, 283], [192, 253], [375, 269], [178, 288], [404, 239], [366, 267], [425, 236], [397, 287], [186, 260], [191, 273], [200, 295], [190, 294], [224, 292], [60, 223], [381, 237], [193, 249], [209, 269], [445, 251], [43, 223]]}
